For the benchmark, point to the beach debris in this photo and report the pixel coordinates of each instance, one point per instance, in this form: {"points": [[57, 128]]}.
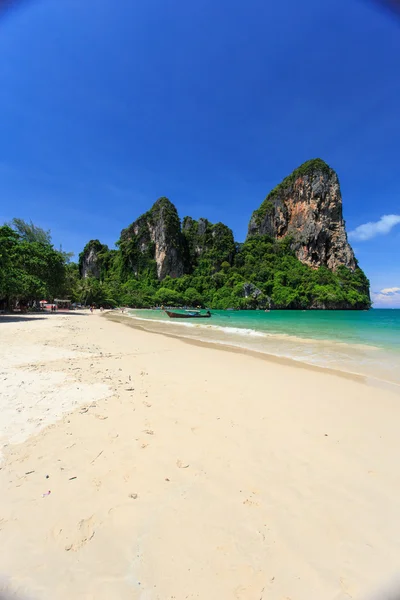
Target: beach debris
{"points": [[29, 472], [47, 476], [166, 479], [133, 496], [46, 494], [96, 457], [181, 465], [130, 389], [149, 431], [84, 410], [71, 478]]}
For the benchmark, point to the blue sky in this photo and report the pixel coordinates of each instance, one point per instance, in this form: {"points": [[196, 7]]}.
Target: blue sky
{"points": [[105, 105]]}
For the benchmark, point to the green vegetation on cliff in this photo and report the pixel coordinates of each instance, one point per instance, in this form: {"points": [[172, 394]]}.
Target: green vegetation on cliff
{"points": [[207, 241], [278, 279], [100, 252], [259, 273], [137, 243], [158, 261]]}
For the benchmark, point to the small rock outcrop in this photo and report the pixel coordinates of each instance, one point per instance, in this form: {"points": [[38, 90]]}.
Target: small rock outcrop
{"points": [[90, 259], [251, 291], [307, 206], [155, 241], [254, 294]]}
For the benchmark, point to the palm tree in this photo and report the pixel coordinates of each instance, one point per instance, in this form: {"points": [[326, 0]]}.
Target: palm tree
{"points": [[85, 290]]}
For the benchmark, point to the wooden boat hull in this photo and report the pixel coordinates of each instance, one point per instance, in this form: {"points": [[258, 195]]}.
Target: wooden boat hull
{"points": [[173, 315]]}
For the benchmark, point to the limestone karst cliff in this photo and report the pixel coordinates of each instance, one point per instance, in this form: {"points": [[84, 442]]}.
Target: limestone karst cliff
{"points": [[155, 236], [90, 259], [296, 254], [307, 206]]}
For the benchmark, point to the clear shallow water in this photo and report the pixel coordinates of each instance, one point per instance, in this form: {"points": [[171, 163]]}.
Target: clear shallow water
{"points": [[364, 342]]}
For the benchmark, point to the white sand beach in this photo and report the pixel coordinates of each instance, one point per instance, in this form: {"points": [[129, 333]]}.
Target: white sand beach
{"points": [[139, 466]]}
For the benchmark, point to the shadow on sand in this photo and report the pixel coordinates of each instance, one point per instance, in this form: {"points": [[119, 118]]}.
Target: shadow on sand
{"points": [[17, 317]]}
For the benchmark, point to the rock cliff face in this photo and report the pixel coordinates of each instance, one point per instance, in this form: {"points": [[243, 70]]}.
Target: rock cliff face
{"points": [[155, 240], [90, 259], [300, 221], [307, 205], [205, 239]]}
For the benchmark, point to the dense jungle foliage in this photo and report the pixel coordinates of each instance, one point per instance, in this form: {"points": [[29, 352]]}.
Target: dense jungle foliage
{"points": [[219, 273], [260, 273]]}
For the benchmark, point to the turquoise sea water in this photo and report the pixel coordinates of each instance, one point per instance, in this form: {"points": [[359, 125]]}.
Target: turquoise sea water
{"points": [[364, 342]]}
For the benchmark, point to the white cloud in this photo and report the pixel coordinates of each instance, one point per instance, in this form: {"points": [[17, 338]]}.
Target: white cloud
{"points": [[374, 228], [390, 291], [387, 298]]}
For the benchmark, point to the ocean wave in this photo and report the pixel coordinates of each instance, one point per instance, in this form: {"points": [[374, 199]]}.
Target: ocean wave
{"points": [[248, 332], [133, 315], [357, 359]]}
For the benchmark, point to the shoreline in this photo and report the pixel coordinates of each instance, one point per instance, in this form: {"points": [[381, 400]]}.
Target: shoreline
{"points": [[132, 321], [267, 335], [196, 473]]}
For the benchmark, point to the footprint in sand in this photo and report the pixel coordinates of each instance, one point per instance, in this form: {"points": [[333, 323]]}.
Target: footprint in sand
{"points": [[86, 532], [97, 483], [250, 502]]}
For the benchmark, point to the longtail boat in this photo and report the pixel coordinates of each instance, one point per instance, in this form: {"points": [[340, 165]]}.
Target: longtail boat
{"points": [[188, 315]]}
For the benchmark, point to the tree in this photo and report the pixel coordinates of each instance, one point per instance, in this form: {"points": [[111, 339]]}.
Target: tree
{"points": [[216, 267], [29, 269], [86, 290], [168, 297], [30, 232], [193, 298]]}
